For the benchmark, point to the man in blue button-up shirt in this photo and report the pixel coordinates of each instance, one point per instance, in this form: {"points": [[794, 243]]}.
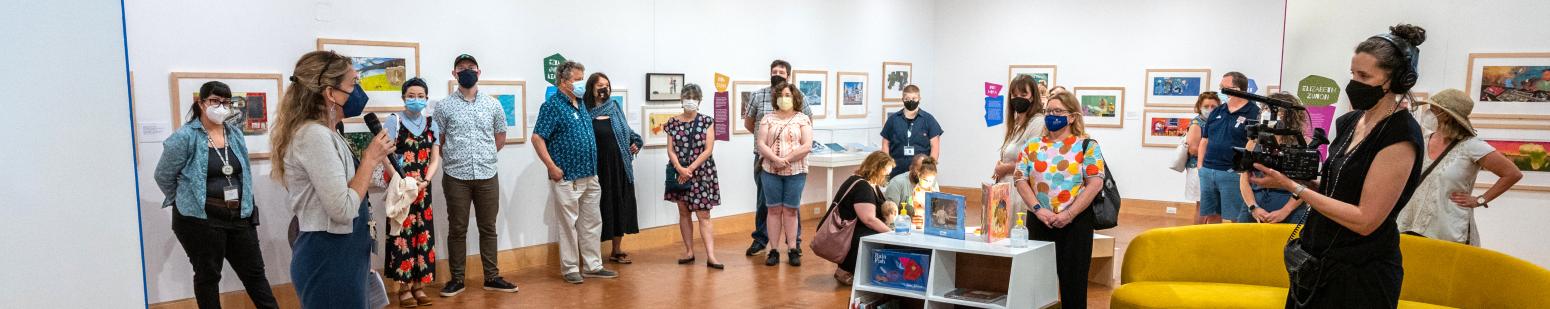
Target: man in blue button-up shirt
{"points": [[564, 141]]}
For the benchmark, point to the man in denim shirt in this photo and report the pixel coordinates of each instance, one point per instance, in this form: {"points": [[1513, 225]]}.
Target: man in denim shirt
{"points": [[564, 142]]}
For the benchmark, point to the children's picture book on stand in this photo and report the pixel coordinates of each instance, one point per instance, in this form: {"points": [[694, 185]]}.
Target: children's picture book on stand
{"points": [[944, 215], [901, 268], [997, 211]]}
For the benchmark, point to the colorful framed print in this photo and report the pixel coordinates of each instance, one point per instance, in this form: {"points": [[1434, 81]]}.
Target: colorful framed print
{"points": [[742, 93], [653, 118], [512, 96], [896, 75], [1526, 149], [383, 67], [815, 91], [256, 96], [663, 86], [1102, 107], [851, 101], [1509, 85], [1165, 127], [1176, 88], [1042, 74]]}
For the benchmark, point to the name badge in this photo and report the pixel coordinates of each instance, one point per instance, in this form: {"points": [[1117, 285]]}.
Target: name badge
{"points": [[909, 150], [232, 194]]}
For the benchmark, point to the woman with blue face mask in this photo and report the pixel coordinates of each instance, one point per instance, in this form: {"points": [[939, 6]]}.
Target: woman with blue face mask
{"points": [[410, 258], [1059, 174]]}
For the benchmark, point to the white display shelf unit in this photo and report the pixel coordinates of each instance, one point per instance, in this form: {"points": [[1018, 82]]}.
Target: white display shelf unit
{"points": [[1031, 279]]}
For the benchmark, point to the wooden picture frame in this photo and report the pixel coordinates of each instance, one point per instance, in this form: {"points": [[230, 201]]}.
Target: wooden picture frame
{"points": [[652, 120], [503, 91], [850, 88], [739, 95], [893, 83], [1175, 88], [1497, 100], [1149, 125], [1049, 72], [1098, 94], [184, 85], [663, 86], [814, 87], [371, 56]]}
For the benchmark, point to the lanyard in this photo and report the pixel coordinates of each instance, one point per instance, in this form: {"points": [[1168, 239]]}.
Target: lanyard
{"points": [[226, 168]]}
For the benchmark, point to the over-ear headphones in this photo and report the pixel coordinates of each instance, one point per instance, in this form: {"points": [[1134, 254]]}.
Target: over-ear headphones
{"points": [[1403, 78]]}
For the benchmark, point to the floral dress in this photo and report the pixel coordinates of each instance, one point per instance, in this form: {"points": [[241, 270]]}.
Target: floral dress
{"points": [[1057, 169], [411, 255], [688, 143]]}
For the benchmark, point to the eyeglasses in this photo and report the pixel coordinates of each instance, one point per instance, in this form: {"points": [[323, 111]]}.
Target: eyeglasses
{"points": [[212, 101], [1057, 111]]}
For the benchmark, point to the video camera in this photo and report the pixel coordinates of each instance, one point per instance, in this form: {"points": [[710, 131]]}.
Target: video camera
{"points": [[1298, 161]]}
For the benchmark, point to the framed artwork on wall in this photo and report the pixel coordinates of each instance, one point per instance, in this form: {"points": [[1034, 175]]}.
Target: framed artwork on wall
{"points": [[383, 67], [1272, 89], [1509, 85], [1176, 88], [653, 118], [1102, 107], [851, 101], [742, 93], [256, 96], [512, 96], [1041, 73], [1526, 148], [896, 75], [663, 86], [1165, 127], [815, 91]]}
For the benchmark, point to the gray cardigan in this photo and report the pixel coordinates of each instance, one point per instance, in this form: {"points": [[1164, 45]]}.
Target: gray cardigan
{"points": [[318, 168]]}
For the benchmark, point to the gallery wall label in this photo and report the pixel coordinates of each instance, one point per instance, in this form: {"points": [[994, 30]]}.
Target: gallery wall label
{"points": [[551, 62], [721, 82], [1317, 90]]}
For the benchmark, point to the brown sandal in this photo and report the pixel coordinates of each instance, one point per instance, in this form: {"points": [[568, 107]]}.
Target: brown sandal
{"points": [[621, 258], [420, 297], [409, 302]]}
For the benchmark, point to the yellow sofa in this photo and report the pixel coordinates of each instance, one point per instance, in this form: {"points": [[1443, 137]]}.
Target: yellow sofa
{"points": [[1240, 266]]}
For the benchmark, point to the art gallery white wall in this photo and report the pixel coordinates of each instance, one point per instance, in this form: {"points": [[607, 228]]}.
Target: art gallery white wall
{"points": [[69, 195], [1094, 43], [1321, 35], [625, 39]]}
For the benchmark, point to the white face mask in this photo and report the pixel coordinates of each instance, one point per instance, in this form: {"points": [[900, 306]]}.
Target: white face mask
{"points": [[1428, 121], [691, 105], [218, 113]]}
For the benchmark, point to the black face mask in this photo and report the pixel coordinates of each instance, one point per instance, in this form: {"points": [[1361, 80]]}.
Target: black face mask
{"points": [[1021, 105], [1363, 97], [467, 78], [911, 105], [776, 80], [602, 93]]}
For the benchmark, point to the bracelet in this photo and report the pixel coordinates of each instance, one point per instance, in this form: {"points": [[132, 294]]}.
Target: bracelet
{"points": [[1297, 193]]}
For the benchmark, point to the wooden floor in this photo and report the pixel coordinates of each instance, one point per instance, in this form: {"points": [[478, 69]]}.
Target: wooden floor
{"points": [[656, 281]]}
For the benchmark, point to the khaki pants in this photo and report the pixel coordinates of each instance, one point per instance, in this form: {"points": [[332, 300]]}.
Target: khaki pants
{"points": [[581, 224], [485, 195]]}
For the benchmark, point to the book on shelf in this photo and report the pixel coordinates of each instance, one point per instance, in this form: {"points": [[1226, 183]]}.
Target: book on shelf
{"points": [[977, 296]]}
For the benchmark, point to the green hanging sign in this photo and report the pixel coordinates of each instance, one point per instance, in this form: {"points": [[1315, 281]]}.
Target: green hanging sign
{"points": [[551, 62], [1317, 90]]}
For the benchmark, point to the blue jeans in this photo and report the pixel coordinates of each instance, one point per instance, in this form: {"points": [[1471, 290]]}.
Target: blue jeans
{"points": [[783, 191], [1219, 194], [759, 236], [1273, 200]]}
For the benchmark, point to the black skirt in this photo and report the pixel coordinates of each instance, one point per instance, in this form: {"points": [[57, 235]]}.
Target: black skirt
{"points": [[617, 205]]}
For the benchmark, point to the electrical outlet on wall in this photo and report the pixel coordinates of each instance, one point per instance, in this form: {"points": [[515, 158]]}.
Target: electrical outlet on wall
{"points": [[1172, 210]]}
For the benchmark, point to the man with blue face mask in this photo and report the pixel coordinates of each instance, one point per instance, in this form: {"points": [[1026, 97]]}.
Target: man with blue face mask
{"points": [[1220, 196], [475, 130], [564, 142]]}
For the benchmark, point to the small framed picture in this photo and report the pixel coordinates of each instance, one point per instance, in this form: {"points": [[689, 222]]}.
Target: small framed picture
{"points": [[896, 75], [851, 101], [1176, 88], [512, 96], [255, 96], [1510, 86], [742, 94], [383, 68], [1102, 107], [1526, 149], [1165, 127], [663, 86], [815, 91], [653, 120], [1042, 74]]}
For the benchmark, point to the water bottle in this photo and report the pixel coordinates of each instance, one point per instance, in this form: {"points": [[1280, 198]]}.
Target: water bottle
{"points": [[901, 223], [1020, 232]]}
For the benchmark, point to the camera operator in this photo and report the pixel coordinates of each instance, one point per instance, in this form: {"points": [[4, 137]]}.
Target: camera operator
{"points": [[1347, 254], [1271, 205], [1220, 197]]}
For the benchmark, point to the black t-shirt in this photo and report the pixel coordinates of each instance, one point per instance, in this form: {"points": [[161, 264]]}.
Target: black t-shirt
{"points": [[1342, 178], [863, 192], [217, 212]]}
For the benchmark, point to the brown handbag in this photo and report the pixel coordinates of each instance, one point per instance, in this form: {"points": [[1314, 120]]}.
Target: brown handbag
{"points": [[834, 233]]}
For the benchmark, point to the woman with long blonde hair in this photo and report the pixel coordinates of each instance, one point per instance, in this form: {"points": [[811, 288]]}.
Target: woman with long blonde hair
{"points": [[331, 254], [863, 202]]}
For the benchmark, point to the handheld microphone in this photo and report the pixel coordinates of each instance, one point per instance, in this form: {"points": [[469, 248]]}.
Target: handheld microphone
{"points": [[375, 126], [1259, 98]]}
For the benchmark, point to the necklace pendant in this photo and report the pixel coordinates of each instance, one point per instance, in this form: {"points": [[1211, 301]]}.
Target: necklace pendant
{"points": [[226, 169]]}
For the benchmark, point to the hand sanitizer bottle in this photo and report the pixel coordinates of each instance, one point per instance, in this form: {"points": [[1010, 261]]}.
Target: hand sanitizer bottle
{"points": [[1020, 232], [901, 223]]}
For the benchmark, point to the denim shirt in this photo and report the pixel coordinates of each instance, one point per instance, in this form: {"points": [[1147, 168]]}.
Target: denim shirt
{"points": [[623, 134], [182, 170]]}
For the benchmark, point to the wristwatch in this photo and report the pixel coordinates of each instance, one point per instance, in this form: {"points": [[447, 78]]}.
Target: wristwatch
{"points": [[1297, 193], [1481, 201], [1252, 207]]}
